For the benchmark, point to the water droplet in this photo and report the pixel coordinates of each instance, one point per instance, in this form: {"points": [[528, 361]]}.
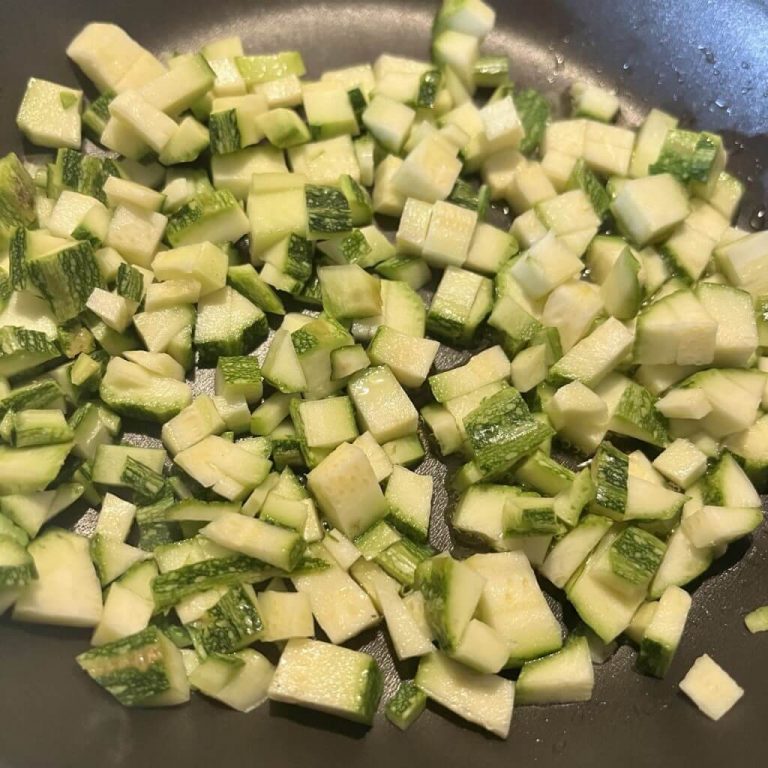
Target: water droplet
{"points": [[566, 39], [745, 65], [679, 76], [626, 66], [757, 220], [720, 103], [709, 55], [559, 62], [737, 147], [716, 71]]}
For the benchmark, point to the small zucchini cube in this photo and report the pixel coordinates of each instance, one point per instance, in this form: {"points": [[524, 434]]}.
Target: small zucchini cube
{"points": [[49, 115], [347, 491], [328, 678]]}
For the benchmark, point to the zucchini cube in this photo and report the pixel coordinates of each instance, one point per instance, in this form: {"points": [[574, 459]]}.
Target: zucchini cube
{"points": [[452, 591], [409, 358], [145, 669], [429, 171], [389, 122], [449, 235], [347, 491], [227, 324], [349, 292], [650, 207], [49, 114], [382, 405], [710, 688], [328, 109], [239, 377], [328, 678], [326, 423], [461, 302]]}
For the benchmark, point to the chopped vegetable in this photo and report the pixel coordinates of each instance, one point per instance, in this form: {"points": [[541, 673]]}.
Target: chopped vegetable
{"points": [[298, 488]]}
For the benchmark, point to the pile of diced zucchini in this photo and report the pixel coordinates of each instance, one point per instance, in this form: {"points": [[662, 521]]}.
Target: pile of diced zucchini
{"points": [[621, 317]]}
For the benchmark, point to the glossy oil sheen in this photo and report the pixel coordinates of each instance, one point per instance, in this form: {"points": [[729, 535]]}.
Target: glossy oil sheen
{"points": [[705, 60]]}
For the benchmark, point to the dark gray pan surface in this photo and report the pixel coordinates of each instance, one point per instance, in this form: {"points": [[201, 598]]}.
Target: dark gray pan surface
{"points": [[705, 60]]}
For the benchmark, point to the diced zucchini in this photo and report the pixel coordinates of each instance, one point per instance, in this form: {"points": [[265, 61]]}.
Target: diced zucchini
{"points": [[349, 292], [410, 498], [663, 633], [502, 431], [144, 669], [340, 606], [727, 485], [682, 463], [61, 559], [284, 128], [40, 427], [650, 139], [389, 122], [234, 122], [286, 615], [27, 470], [682, 563], [328, 678], [241, 681], [408, 637], [757, 620], [592, 358], [228, 469], [713, 526], [648, 208], [202, 262], [485, 700], [17, 567], [270, 543], [696, 159], [233, 622], [112, 557], [347, 491], [105, 53], [214, 216], [49, 114], [383, 407], [572, 550], [227, 324], [132, 390], [409, 358], [606, 610], [244, 279], [115, 518], [239, 376], [710, 688], [564, 676], [452, 591], [125, 613], [405, 707], [461, 302]]}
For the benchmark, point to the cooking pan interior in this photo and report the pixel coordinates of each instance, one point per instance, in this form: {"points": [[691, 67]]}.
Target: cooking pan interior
{"points": [[707, 62]]}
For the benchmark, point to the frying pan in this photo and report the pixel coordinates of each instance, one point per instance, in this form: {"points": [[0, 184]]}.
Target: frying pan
{"points": [[707, 62]]}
